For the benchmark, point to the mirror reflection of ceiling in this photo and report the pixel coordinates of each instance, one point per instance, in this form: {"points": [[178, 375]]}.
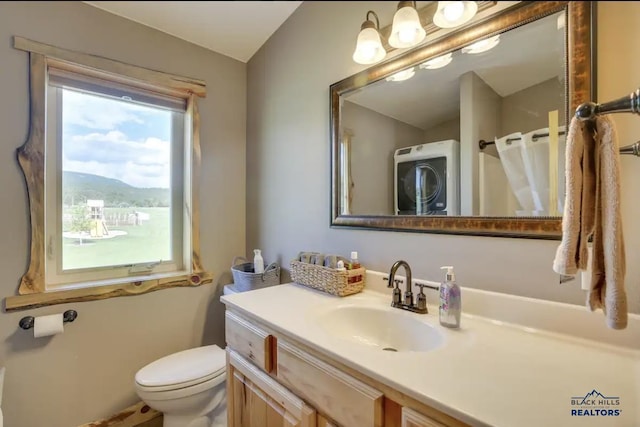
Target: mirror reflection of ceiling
{"points": [[525, 56]]}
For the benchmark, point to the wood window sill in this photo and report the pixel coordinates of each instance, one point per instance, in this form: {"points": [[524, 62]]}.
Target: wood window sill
{"points": [[90, 293]]}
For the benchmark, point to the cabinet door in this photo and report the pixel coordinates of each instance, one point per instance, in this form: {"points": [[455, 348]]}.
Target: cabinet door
{"points": [[256, 400], [345, 399], [411, 418]]}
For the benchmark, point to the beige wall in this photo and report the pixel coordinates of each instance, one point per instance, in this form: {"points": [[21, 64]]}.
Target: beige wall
{"points": [[288, 143], [479, 118], [528, 109], [375, 138], [443, 131], [87, 373], [618, 72]]}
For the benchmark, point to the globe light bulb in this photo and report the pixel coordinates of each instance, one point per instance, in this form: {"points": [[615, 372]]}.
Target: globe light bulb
{"points": [[407, 35], [451, 14], [406, 30], [369, 49], [453, 11]]}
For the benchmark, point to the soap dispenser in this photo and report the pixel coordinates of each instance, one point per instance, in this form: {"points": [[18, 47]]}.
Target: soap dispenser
{"points": [[258, 262], [450, 300]]}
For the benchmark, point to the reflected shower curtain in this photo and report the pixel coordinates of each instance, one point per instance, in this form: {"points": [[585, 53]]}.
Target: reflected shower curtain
{"points": [[535, 156], [510, 149], [525, 158]]}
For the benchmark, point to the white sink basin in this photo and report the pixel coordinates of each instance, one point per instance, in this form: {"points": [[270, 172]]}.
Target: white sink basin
{"points": [[389, 329]]}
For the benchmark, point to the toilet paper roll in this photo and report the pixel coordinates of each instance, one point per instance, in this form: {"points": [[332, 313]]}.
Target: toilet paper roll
{"points": [[45, 326]]}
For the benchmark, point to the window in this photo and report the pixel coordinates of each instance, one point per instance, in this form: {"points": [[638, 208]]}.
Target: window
{"points": [[111, 166], [114, 181]]}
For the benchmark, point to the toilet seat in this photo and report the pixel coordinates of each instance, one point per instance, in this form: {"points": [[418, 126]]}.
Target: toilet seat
{"points": [[149, 394], [197, 366]]}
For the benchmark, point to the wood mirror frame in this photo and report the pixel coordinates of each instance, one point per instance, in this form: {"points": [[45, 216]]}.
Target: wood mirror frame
{"points": [[580, 87]]}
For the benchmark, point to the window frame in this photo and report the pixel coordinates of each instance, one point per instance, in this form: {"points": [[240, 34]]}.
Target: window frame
{"points": [[57, 278], [33, 291]]}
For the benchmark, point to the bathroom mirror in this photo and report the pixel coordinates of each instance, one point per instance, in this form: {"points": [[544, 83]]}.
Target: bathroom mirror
{"points": [[452, 137]]}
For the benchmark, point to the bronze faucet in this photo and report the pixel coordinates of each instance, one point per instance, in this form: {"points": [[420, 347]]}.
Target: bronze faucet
{"points": [[406, 303]]}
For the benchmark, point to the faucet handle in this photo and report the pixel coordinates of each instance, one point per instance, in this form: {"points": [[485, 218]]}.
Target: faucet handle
{"points": [[421, 299], [424, 285], [396, 297]]}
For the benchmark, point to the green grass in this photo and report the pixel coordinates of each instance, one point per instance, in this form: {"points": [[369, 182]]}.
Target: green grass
{"points": [[144, 243]]}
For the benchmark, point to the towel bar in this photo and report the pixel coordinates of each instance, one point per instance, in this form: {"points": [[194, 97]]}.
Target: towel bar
{"points": [[626, 104], [633, 149]]}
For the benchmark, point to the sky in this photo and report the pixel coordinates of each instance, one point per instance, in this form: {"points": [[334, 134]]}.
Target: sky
{"points": [[116, 139]]}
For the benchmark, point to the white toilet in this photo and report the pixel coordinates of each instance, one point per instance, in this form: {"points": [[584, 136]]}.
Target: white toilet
{"points": [[188, 387]]}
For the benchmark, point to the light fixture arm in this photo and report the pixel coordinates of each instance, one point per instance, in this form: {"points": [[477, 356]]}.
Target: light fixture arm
{"points": [[369, 49], [375, 15], [402, 4]]}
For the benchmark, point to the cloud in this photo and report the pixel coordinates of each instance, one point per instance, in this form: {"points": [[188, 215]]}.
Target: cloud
{"points": [[116, 139], [97, 112], [113, 155], [115, 147]]}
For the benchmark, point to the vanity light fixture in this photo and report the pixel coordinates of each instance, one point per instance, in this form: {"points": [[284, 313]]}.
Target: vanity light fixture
{"points": [[482, 45], [369, 49], [406, 31], [452, 14], [401, 76], [438, 62]]}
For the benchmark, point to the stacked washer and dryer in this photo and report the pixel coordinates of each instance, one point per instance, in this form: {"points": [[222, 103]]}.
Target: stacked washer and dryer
{"points": [[427, 179]]}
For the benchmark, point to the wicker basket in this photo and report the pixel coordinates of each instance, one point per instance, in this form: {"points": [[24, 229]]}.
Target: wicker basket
{"points": [[244, 279], [327, 279]]}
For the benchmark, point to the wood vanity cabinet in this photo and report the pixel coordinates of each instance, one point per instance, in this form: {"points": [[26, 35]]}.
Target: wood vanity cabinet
{"points": [[274, 382], [411, 418], [254, 399]]}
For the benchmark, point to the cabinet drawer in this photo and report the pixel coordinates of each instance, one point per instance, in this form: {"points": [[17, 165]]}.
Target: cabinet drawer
{"points": [[250, 341], [347, 400]]}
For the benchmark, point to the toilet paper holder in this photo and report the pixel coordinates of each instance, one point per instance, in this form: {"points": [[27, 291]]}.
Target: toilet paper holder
{"points": [[28, 321]]}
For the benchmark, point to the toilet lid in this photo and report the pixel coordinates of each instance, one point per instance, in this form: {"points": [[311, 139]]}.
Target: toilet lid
{"points": [[184, 368]]}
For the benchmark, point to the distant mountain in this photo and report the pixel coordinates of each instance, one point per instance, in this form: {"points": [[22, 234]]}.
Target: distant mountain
{"points": [[78, 187]]}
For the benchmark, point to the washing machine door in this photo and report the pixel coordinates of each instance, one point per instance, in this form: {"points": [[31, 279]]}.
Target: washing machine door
{"points": [[422, 187]]}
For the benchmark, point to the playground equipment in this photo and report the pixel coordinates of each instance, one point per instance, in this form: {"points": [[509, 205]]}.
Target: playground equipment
{"points": [[98, 226]]}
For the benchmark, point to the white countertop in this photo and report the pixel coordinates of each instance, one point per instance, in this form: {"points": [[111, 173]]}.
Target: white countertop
{"points": [[488, 373]]}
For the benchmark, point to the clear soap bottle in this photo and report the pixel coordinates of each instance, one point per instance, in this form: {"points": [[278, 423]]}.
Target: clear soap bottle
{"points": [[450, 300]]}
